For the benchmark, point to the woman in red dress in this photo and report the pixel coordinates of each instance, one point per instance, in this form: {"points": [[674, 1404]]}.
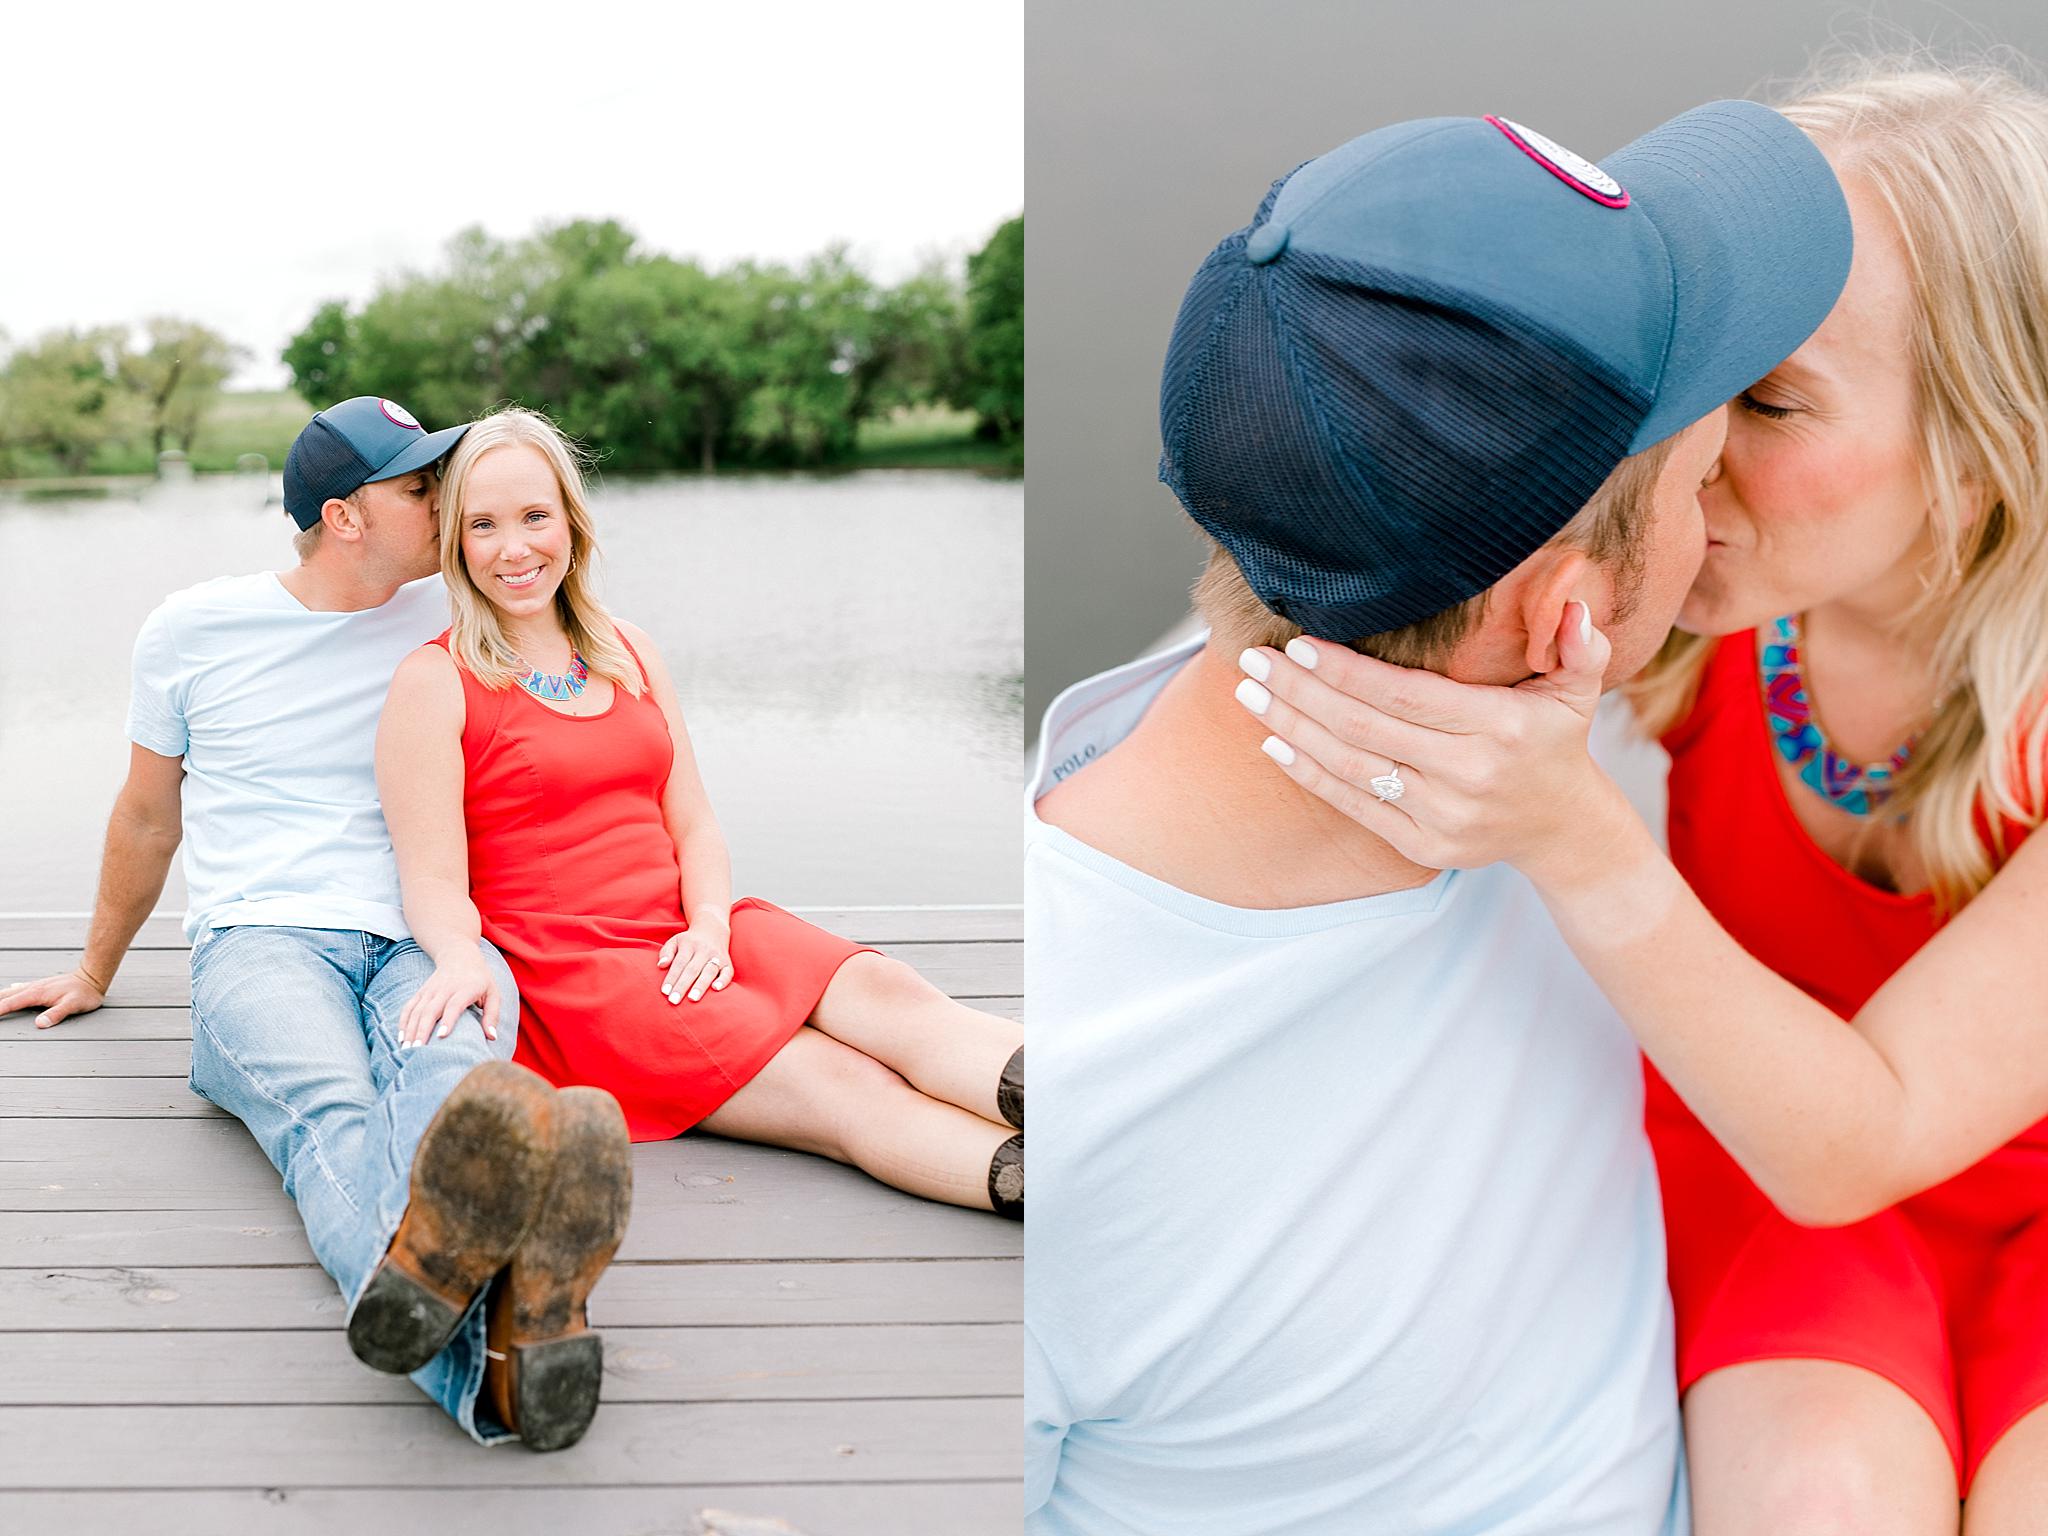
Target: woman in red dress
{"points": [[541, 789], [1859, 1255]]}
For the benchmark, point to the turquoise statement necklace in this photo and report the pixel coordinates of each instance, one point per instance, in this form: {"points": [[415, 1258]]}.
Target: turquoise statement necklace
{"points": [[1858, 788], [558, 685]]}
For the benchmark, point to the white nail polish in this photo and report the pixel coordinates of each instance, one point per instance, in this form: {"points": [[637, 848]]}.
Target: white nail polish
{"points": [[1277, 750], [1253, 697], [1585, 623], [1301, 653], [1256, 664]]}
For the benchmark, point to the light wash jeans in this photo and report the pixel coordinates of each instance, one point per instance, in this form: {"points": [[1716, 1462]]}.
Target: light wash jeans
{"points": [[295, 1033]]}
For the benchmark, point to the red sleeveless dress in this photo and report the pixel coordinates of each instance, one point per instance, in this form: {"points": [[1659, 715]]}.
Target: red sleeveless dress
{"points": [[1945, 1294], [576, 878]]}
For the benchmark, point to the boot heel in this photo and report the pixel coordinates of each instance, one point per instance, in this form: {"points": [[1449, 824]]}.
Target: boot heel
{"points": [[399, 1325], [1006, 1179], [557, 1385]]}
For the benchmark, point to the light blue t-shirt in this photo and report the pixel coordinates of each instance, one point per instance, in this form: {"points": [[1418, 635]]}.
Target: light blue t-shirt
{"points": [[1343, 1222], [274, 709]]}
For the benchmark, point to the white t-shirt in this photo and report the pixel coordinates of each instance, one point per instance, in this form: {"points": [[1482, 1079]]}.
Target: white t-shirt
{"points": [[1342, 1217], [274, 709]]}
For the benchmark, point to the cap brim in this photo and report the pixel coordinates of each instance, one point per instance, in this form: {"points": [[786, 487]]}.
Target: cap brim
{"points": [[1758, 235], [418, 455]]}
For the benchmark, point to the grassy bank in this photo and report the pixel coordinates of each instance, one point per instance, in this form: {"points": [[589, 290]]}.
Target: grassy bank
{"points": [[266, 421], [931, 437], [243, 421]]}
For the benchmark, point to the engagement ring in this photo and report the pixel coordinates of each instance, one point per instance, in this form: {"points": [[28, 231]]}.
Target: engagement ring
{"points": [[1388, 786]]}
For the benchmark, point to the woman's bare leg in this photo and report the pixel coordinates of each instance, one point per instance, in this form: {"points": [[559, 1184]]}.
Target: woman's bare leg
{"points": [[819, 1095], [1806, 1447], [883, 1008], [2010, 1492]]}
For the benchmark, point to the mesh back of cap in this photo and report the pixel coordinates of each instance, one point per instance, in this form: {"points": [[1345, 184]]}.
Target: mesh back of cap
{"points": [[320, 465], [1372, 449]]}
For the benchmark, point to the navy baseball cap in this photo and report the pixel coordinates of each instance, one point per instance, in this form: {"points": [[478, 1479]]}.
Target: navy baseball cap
{"points": [[350, 445], [1432, 344]]}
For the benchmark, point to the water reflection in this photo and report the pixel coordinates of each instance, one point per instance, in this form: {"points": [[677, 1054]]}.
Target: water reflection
{"points": [[849, 652]]}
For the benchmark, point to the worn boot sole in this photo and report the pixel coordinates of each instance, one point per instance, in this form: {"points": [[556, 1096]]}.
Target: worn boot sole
{"points": [[478, 1176], [554, 1364]]}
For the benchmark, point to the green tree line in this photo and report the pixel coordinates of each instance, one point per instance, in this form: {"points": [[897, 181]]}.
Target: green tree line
{"points": [[72, 395], [666, 365], [657, 361]]}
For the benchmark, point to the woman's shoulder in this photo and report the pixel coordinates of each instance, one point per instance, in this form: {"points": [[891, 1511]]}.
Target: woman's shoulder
{"points": [[641, 647], [429, 672], [641, 643]]}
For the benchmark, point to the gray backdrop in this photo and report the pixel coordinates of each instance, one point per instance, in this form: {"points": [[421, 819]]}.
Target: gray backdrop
{"points": [[1152, 129]]}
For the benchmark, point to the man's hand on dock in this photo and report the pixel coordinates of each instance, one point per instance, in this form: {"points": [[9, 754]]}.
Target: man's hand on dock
{"points": [[58, 996]]}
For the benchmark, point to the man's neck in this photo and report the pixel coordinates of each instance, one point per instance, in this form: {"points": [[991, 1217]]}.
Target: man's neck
{"points": [[324, 588], [1189, 798]]}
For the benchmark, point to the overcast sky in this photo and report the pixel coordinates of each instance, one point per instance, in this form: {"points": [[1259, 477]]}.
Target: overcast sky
{"points": [[237, 164]]}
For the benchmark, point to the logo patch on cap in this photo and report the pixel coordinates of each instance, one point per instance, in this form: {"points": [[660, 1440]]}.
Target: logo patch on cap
{"points": [[1575, 171], [400, 414]]}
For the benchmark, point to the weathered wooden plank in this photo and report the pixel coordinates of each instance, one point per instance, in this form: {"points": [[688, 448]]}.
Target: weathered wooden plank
{"points": [[819, 1509], [407, 1446], [863, 925], [101, 1024], [66, 930], [629, 1295], [641, 1365], [159, 978], [60, 1053], [122, 1023], [103, 1098], [269, 1234], [265, 1234], [700, 1197]]}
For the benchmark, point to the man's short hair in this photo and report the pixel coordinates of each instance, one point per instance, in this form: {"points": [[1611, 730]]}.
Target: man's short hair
{"points": [[307, 539], [1613, 528]]}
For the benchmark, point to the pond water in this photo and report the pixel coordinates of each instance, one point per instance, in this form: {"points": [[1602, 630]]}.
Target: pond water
{"points": [[848, 649]]}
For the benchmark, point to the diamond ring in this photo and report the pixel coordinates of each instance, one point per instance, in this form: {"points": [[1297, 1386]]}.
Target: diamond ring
{"points": [[1388, 786]]}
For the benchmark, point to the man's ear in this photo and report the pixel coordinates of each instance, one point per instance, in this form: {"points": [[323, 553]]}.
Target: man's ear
{"points": [[1554, 577], [342, 518]]}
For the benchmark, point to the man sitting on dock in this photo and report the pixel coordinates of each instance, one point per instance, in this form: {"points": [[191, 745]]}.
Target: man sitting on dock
{"points": [[1344, 1216], [422, 1173]]}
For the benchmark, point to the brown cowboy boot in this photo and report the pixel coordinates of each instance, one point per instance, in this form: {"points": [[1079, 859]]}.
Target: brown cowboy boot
{"points": [[543, 1365], [478, 1175], [1010, 1090]]}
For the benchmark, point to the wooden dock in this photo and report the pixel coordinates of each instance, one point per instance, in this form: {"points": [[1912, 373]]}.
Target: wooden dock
{"points": [[789, 1346]]}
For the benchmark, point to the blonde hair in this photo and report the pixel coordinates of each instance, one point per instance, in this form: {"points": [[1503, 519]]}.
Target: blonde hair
{"points": [[1612, 527], [476, 638], [1959, 157]]}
